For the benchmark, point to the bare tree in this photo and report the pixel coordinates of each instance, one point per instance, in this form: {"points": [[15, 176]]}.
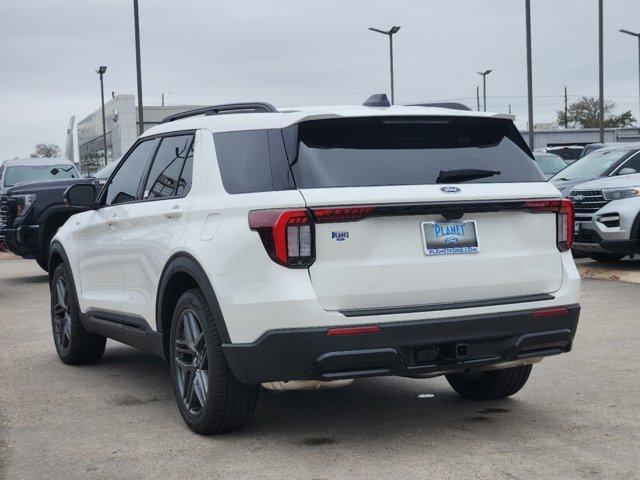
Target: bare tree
{"points": [[46, 150]]}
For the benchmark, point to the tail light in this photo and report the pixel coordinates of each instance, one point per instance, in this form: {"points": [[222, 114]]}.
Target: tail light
{"points": [[565, 219], [287, 235]]}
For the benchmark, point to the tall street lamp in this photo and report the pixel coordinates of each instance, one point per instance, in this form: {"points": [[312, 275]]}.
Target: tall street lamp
{"points": [[101, 71], [601, 68], [390, 34], [136, 24], [636, 35], [484, 88], [527, 6]]}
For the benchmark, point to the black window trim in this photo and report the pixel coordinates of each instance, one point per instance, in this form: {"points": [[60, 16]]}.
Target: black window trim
{"points": [[140, 190]]}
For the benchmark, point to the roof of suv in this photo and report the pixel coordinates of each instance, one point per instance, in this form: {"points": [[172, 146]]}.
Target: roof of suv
{"points": [[229, 122], [15, 162]]}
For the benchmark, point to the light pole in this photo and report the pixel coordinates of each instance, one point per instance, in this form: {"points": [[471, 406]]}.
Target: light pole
{"points": [[101, 71], [636, 35], [601, 68], [390, 34], [529, 74], [136, 23], [484, 88]]}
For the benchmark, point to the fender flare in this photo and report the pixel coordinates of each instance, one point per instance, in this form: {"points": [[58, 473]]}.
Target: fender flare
{"points": [[183, 262], [57, 248]]}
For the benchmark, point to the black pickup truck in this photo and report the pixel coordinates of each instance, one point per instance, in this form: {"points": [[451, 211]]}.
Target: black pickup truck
{"points": [[32, 212]]}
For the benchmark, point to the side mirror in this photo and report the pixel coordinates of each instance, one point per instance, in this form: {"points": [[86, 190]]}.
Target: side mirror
{"points": [[81, 196], [627, 171]]}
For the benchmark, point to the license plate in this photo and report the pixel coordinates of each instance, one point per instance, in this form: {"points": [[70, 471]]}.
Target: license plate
{"points": [[450, 238]]}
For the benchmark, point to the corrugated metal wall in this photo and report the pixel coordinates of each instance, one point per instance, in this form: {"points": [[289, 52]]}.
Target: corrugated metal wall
{"points": [[582, 136]]}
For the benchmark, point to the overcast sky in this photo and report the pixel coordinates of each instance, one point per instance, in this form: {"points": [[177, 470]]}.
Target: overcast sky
{"points": [[295, 52]]}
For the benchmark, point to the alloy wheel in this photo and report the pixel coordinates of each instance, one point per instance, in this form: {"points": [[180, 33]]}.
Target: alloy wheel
{"points": [[191, 362], [61, 315]]}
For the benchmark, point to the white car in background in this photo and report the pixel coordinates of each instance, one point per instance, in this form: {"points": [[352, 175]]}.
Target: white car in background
{"points": [[607, 217], [247, 244]]}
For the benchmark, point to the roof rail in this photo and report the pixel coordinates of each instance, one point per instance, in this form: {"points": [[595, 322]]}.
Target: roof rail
{"points": [[252, 107]]}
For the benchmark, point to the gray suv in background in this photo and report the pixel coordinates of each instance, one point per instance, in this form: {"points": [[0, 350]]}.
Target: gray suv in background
{"points": [[607, 217]]}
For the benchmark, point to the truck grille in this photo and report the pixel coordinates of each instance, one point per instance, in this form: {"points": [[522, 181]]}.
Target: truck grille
{"points": [[587, 201], [6, 213]]}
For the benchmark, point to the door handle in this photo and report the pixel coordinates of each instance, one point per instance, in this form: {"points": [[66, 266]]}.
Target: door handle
{"points": [[175, 212], [113, 221]]}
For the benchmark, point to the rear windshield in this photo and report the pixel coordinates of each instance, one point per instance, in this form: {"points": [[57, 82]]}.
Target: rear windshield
{"points": [[37, 173], [370, 151]]}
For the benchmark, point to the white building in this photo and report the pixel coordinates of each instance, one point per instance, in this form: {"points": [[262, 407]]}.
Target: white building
{"points": [[121, 115]]}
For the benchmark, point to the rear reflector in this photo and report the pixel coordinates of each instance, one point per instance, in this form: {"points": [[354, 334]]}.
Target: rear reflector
{"points": [[551, 312], [333, 332], [341, 214]]}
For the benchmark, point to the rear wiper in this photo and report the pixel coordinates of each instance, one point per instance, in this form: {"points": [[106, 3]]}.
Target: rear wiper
{"points": [[464, 175]]}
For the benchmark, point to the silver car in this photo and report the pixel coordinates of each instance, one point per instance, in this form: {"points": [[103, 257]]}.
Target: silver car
{"points": [[611, 161], [607, 217]]}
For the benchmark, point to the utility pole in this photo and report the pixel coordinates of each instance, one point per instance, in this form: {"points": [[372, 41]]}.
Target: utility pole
{"points": [[136, 21], [163, 99], [601, 67], [529, 75], [566, 110], [101, 71], [509, 109], [478, 96], [390, 34]]}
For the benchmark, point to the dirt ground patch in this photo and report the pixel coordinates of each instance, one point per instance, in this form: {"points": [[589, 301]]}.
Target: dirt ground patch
{"points": [[627, 270]]}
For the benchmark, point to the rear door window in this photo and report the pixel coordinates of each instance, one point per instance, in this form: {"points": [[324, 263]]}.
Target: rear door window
{"points": [[168, 163], [373, 151]]}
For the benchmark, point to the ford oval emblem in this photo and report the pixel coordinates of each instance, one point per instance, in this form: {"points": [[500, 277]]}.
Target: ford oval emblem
{"points": [[450, 189]]}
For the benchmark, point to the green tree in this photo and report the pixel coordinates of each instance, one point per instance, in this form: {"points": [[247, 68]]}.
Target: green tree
{"points": [[584, 114], [46, 150]]}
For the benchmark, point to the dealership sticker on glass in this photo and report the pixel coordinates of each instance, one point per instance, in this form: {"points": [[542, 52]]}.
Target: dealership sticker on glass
{"points": [[450, 238]]}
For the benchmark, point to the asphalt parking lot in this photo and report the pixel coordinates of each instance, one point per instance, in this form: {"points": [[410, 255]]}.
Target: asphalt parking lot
{"points": [[578, 417]]}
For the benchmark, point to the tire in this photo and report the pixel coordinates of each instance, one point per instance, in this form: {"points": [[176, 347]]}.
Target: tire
{"points": [[209, 397], [489, 385], [75, 346], [606, 257]]}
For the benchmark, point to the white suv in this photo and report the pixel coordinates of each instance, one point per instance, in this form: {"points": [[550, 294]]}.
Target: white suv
{"points": [[246, 244]]}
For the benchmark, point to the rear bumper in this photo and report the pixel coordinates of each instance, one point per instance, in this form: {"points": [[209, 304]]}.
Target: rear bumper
{"points": [[412, 348]]}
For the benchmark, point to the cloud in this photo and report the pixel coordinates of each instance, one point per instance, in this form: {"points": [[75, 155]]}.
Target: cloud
{"points": [[300, 52]]}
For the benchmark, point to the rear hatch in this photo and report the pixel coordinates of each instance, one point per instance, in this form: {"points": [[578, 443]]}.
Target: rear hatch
{"points": [[437, 211]]}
